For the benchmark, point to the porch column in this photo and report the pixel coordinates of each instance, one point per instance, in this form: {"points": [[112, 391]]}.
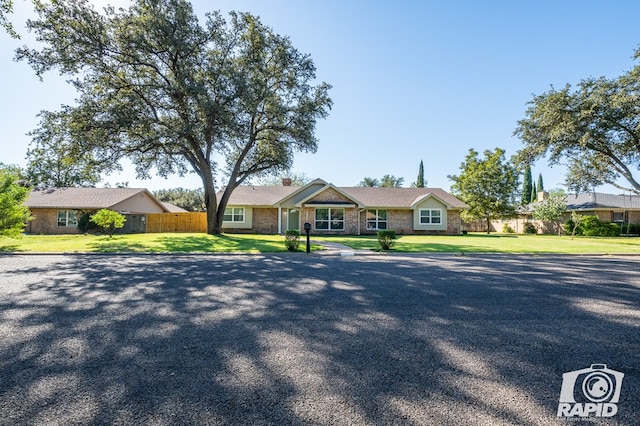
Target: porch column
{"points": [[279, 220]]}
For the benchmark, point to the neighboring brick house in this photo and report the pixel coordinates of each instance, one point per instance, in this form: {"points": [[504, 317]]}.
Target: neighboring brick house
{"points": [[620, 209], [55, 210], [342, 210]]}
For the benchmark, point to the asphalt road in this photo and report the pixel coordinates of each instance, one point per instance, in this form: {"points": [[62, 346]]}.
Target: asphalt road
{"points": [[311, 339]]}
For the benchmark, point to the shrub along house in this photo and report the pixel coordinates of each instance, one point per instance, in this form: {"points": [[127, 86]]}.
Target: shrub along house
{"points": [[342, 210], [56, 210]]}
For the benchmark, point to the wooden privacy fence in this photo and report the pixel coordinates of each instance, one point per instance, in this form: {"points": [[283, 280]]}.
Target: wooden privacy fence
{"points": [[177, 222]]}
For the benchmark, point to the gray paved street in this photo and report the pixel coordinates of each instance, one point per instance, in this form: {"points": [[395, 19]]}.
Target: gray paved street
{"points": [[312, 339]]}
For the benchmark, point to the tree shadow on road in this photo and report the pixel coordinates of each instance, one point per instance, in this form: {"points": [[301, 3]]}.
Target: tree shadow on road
{"points": [[276, 339]]}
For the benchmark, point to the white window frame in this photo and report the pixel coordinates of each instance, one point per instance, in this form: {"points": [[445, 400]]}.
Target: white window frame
{"points": [[236, 214], [430, 217], [70, 219], [330, 221], [377, 219]]}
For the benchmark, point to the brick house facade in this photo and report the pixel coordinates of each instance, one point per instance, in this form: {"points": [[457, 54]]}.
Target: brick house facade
{"points": [[335, 210], [57, 210], [620, 209]]}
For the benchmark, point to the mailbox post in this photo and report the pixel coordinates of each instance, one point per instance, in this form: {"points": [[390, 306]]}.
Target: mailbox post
{"points": [[307, 228]]}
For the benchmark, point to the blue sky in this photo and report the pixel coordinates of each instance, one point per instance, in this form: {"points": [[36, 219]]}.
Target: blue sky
{"points": [[412, 80]]}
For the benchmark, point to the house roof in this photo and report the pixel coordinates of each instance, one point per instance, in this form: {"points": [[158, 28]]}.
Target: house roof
{"points": [[593, 201], [598, 200], [256, 195], [401, 197], [172, 208], [83, 198], [268, 196], [341, 191]]}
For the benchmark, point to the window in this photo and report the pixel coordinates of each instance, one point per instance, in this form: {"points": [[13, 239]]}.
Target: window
{"points": [[618, 217], [430, 217], [376, 219], [330, 219], [233, 214], [67, 218]]}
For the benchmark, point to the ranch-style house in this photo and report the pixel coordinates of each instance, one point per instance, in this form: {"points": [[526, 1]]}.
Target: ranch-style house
{"points": [[261, 209], [342, 210]]}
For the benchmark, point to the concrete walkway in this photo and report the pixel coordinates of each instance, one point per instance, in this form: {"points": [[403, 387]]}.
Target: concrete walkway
{"points": [[337, 249]]}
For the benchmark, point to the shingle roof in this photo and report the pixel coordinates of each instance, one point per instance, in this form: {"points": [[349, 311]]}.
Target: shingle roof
{"points": [[597, 200], [80, 198], [593, 201], [172, 208], [256, 195], [370, 197], [400, 197]]}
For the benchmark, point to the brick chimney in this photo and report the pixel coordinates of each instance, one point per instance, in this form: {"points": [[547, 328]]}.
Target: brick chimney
{"points": [[286, 181], [543, 195]]}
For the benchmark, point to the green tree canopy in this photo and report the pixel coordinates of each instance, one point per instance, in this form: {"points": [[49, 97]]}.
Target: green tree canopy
{"points": [[388, 181], [534, 193], [488, 185], [540, 186], [594, 128], [13, 212], [420, 182], [369, 182], [552, 209], [57, 157], [108, 220], [228, 100], [527, 186], [6, 7]]}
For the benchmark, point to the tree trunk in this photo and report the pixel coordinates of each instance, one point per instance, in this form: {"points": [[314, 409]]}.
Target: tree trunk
{"points": [[213, 227], [224, 199], [488, 225], [210, 202], [215, 209]]}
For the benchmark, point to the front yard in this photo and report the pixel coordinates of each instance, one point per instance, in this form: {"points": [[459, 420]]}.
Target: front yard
{"points": [[498, 243], [166, 243], [149, 243]]}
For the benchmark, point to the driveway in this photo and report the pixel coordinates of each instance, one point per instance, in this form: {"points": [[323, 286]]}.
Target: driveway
{"points": [[312, 339]]}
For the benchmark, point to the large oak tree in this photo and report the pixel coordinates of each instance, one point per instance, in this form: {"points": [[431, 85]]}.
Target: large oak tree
{"points": [[6, 8], [224, 99], [594, 128], [56, 160]]}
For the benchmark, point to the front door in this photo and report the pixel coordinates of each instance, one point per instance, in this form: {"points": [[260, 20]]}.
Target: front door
{"points": [[293, 219]]}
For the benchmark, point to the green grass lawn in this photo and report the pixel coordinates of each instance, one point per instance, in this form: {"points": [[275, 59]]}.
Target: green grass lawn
{"points": [[151, 243], [245, 243], [497, 243]]}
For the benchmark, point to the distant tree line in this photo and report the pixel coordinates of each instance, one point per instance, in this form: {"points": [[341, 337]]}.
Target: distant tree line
{"points": [[189, 199], [529, 188]]}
